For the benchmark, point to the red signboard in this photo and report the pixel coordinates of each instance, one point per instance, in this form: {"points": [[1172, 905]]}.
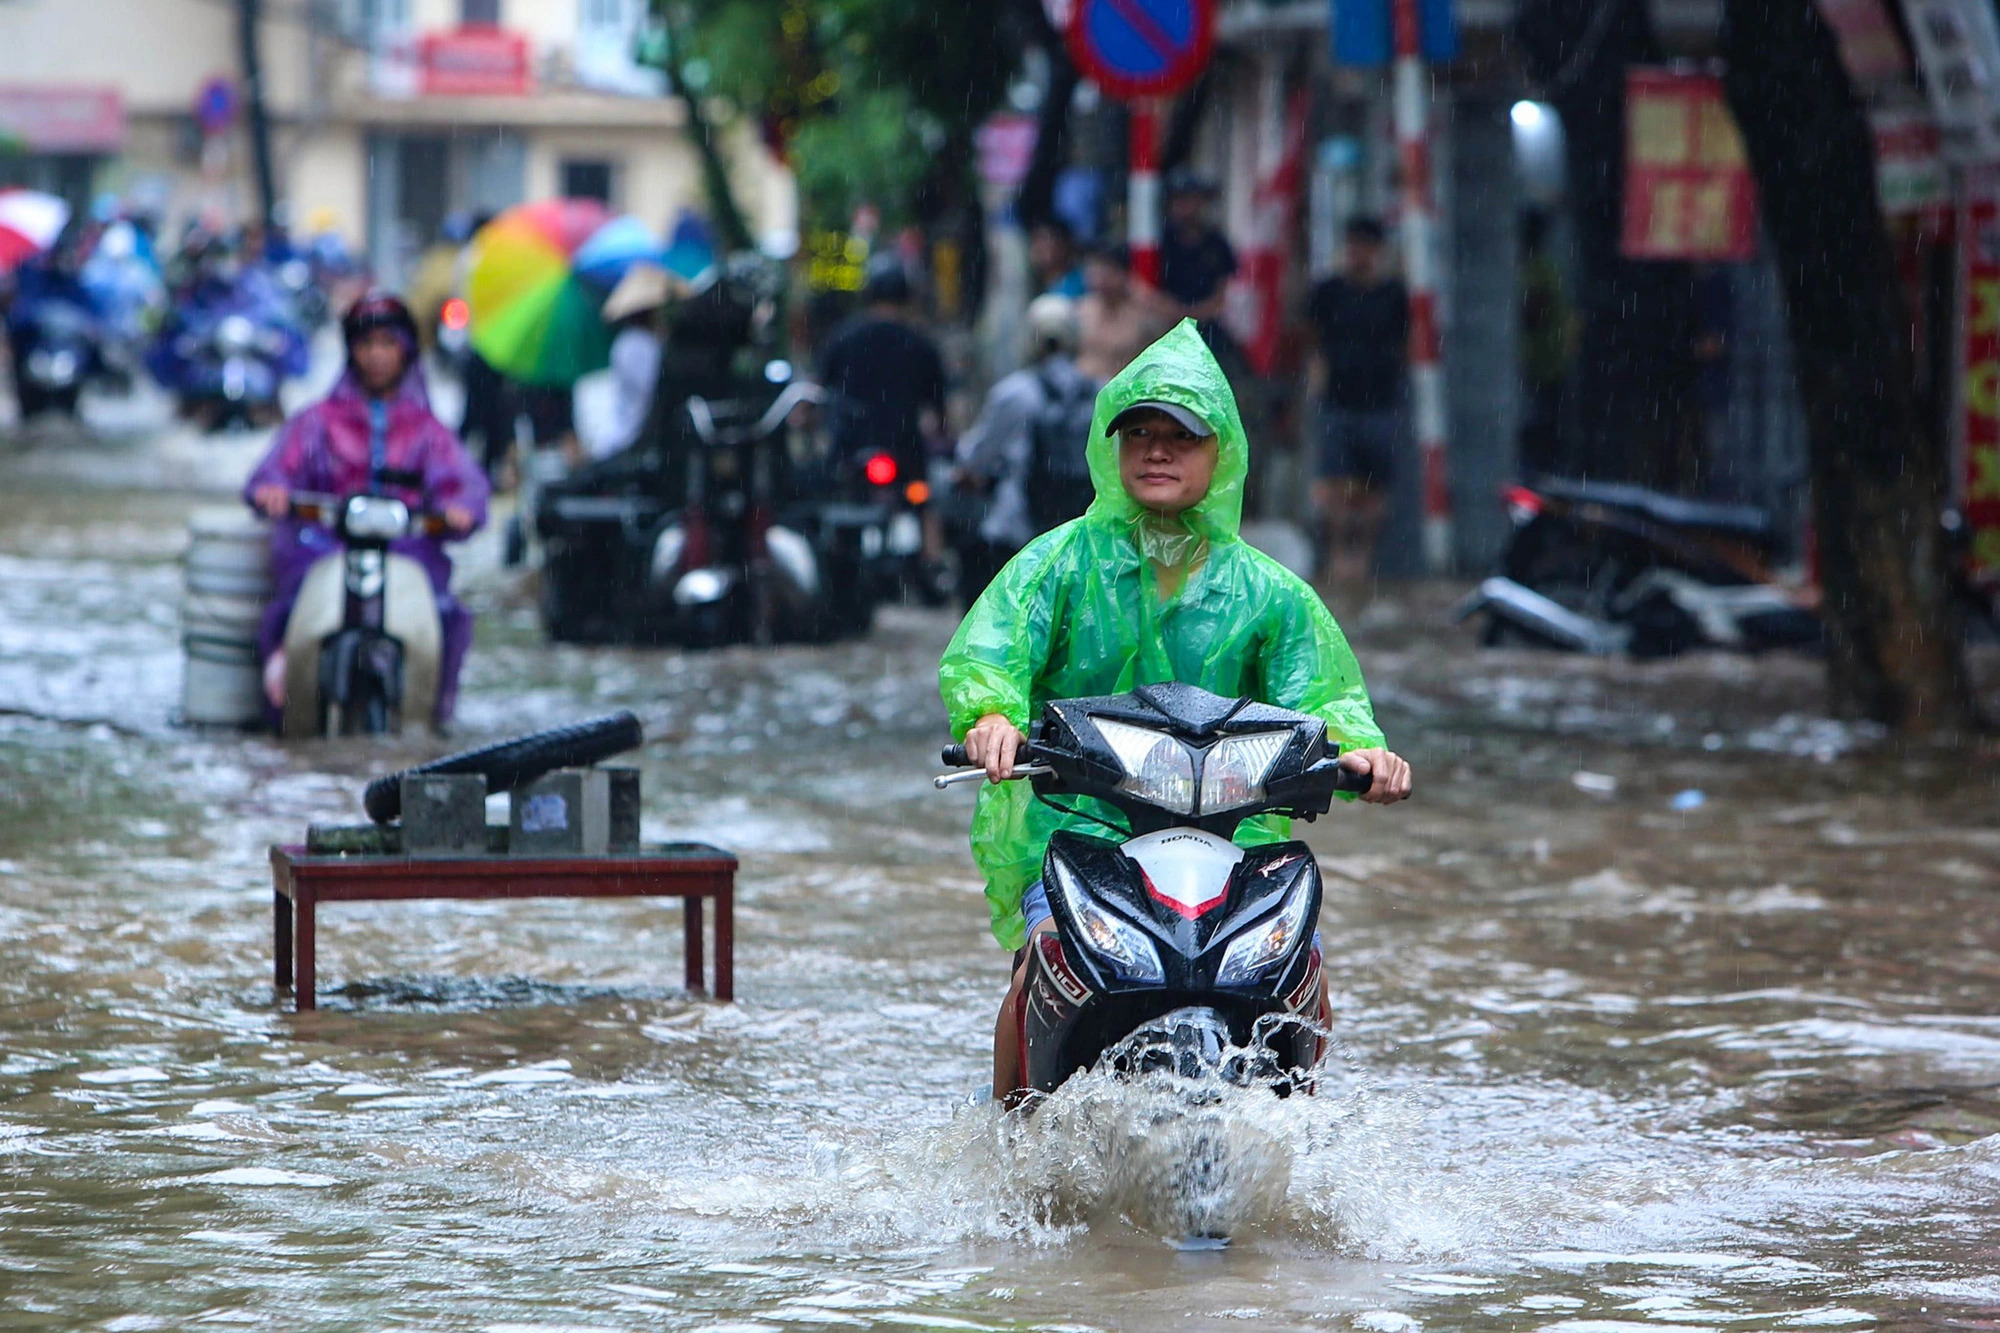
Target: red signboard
{"points": [[62, 118], [1980, 422], [1006, 144], [1688, 191], [475, 62]]}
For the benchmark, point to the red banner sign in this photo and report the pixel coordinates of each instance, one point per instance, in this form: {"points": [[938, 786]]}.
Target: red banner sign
{"points": [[58, 118], [1688, 191], [475, 62], [1980, 423]]}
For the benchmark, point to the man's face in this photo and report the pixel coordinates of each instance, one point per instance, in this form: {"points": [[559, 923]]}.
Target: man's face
{"points": [[1364, 258], [1101, 277], [378, 361], [1188, 209], [1048, 251], [1165, 466]]}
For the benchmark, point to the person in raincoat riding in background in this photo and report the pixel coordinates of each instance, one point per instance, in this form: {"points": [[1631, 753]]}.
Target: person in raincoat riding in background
{"points": [[373, 434], [1152, 584]]}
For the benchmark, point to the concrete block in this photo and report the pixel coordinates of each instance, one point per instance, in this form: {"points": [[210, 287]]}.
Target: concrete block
{"points": [[624, 810], [565, 813], [444, 814]]}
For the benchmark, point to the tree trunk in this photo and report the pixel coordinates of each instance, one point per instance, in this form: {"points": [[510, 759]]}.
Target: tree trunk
{"points": [[1635, 381], [1879, 475]]}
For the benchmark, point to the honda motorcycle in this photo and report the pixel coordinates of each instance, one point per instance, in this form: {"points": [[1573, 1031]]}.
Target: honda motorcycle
{"points": [[364, 642], [1175, 951]]}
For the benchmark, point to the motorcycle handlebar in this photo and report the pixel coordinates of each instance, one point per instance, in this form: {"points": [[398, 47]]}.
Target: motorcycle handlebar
{"points": [[1346, 780], [325, 510]]}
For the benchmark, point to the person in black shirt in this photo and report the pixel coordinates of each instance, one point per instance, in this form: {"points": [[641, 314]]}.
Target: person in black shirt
{"points": [[1362, 318], [889, 375], [890, 382], [1196, 261]]}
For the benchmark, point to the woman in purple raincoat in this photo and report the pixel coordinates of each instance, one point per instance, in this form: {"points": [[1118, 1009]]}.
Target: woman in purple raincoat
{"points": [[376, 421]]}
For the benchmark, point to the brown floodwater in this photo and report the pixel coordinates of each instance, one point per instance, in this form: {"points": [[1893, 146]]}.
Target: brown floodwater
{"points": [[1610, 1056]]}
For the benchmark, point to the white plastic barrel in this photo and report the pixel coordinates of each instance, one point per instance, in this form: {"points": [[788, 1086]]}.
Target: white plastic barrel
{"points": [[228, 581]]}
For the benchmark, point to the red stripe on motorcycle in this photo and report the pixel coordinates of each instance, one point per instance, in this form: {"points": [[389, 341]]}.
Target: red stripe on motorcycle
{"points": [[1190, 911]]}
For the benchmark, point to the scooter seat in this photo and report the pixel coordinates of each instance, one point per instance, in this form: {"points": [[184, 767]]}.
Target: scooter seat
{"points": [[1738, 520]]}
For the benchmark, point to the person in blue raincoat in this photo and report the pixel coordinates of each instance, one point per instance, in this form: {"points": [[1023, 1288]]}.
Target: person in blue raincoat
{"points": [[1151, 584]]}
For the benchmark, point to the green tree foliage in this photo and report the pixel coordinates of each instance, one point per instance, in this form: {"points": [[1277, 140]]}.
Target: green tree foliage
{"points": [[868, 98]]}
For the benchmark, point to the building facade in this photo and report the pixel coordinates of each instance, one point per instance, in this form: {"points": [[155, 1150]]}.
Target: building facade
{"points": [[386, 116]]}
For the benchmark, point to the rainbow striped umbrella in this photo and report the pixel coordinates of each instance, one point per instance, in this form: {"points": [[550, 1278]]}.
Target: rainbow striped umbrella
{"points": [[534, 318]]}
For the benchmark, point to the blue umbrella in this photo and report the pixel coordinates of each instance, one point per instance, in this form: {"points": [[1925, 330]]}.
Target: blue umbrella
{"points": [[614, 248], [691, 253]]}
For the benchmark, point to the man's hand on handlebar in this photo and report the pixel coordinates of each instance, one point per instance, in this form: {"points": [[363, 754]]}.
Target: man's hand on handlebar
{"points": [[992, 744], [274, 501], [1391, 772], [458, 518]]}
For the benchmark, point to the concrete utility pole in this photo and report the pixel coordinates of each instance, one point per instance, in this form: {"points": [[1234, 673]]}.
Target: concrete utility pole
{"points": [[1413, 143], [248, 14]]}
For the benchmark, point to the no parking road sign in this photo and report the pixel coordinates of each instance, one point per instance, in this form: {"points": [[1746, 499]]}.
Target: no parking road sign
{"points": [[1137, 50], [1142, 48]]}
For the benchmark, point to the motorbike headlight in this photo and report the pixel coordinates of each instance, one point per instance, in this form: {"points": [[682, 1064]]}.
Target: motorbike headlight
{"points": [[1119, 943], [1157, 767], [235, 334], [375, 518], [1234, 772], [1272, 941]]}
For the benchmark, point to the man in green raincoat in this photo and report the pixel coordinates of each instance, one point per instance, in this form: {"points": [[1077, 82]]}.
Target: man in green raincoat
{"points": [[1151, 584]]}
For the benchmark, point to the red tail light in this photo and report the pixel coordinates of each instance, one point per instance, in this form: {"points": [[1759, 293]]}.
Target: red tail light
{"points": [[1521, 503], [880, 470], [456, 314]]}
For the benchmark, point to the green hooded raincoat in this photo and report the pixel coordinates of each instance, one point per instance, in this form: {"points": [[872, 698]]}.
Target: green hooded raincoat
{"points": [[1078, 612]]}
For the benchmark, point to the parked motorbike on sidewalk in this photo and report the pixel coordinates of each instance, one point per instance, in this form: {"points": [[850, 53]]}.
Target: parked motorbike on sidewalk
{"points": [[364, 641], [1604, 568], [1176, 952]]}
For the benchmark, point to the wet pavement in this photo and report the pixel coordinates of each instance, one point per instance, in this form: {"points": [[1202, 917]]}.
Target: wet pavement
{"points": [[1610, 1057]]}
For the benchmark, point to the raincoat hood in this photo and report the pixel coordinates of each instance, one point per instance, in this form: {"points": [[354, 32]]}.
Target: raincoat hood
{"points": [[1178, 369]]}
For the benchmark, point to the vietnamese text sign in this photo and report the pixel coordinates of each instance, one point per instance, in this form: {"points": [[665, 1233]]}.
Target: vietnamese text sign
{"points": [[1688, 191]]}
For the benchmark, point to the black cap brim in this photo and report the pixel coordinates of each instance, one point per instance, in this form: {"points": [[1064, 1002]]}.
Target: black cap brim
{"points": [[1175, 410]]}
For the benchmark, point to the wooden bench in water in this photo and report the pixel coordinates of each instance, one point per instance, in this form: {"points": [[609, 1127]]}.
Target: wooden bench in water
{"points": [[689, 871]]}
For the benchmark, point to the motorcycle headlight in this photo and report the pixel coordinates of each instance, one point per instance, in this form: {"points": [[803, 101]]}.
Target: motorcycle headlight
{"points": [[1272, 941], [1119, 943], [236, 334], [1233, 774], [375, 518], [1157, 767]]}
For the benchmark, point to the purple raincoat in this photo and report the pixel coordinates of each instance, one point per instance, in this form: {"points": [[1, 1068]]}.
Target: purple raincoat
{"points": [[325, 449]]}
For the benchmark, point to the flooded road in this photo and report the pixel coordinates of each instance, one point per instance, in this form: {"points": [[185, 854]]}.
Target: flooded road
{"points": [[1612, 1055]]}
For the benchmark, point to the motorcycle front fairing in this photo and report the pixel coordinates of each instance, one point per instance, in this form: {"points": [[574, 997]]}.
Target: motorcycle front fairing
{"points": [[1127, 949]]}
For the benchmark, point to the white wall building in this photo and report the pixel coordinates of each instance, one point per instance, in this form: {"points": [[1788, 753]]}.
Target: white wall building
{"points": [[387, 115]]}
